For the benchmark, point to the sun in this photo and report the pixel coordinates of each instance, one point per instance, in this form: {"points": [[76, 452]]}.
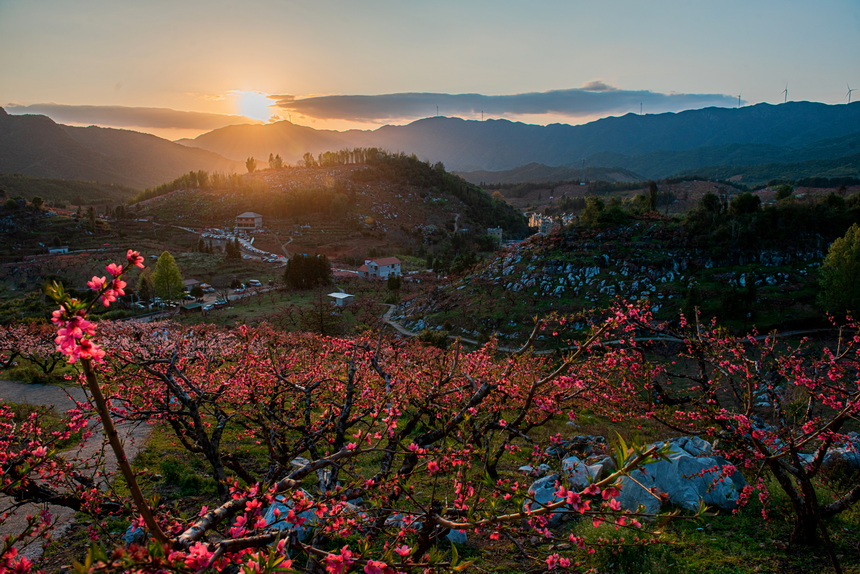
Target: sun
{"points": [[254, 105]]}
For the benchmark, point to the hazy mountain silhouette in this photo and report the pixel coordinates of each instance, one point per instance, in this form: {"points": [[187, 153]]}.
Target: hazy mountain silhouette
{"points": [[656, 145], [37, 146], [650, 146]]}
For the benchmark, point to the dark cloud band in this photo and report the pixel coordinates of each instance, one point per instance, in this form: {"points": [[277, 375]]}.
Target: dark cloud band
{"points": [[121, 116], [592, 99]]}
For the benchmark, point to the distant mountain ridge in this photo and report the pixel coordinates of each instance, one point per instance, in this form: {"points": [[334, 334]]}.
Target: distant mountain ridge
{"points": [[36, 146], [654, 146], [648, 146]]}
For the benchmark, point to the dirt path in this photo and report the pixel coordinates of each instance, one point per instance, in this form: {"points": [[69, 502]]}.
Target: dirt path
{"points": [[133, 436]]}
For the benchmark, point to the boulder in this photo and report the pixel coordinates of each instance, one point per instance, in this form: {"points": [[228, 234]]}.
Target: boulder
{"points": [[845, 457], [457, 536], [690, 474], [578, 474], [308, 518], [134, 535], [542, 491]]}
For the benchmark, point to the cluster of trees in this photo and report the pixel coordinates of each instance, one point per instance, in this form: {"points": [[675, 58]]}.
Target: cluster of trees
{"points": [[343, 157], [275, 161], [741, 223], [232, 249], [305, 271], [193, 180]]}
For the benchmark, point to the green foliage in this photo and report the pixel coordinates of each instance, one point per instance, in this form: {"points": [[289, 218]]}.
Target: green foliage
{"points": [[63, 191], [191, 180], [744, 203], [393, 282], [839, 275], [598, 214], [783, 191], [232, 249], [434, 338], [652, 196], [145, 287], [167, 278], [305, 271], [710, 203]]}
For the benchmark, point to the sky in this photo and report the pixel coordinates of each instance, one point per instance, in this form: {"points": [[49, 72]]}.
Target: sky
{"points": [[178, 68]]}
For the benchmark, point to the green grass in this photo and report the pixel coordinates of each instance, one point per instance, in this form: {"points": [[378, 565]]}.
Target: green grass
{"points": [[27, 372]]}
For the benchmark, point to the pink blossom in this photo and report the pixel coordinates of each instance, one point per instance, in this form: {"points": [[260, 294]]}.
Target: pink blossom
{"points": [[114, 269], [198, 556], [134, 258], [339, 563], [96, 283], [376, 567]]}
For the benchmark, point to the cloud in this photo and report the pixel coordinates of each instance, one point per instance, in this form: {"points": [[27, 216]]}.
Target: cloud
{"points": [[592, 99], [124, 117]]}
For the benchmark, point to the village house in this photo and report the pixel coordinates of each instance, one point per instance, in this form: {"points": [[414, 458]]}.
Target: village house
{"points": [[341, 299], [495, 233], [249, 221], [379, 268]]}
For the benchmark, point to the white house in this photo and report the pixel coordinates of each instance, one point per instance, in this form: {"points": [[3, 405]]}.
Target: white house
{"points": [[249, 221], [341, 299], [379, 268]]}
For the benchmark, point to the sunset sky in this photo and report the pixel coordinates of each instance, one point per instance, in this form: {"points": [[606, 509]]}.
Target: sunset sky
{"points": [[180, 68]]}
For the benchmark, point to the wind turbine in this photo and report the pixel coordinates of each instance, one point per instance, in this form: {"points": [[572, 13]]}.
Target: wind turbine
{"points": [[785, 93], [849, 93]]}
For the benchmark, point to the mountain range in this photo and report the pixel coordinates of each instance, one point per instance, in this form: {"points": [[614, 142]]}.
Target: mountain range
{"points": [[35, 145], [724, 142]]}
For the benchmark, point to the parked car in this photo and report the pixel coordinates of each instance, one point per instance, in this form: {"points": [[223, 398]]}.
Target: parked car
{"points": [[254, 283]]}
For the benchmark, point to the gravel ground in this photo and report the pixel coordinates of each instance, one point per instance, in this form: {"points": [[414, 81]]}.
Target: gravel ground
{"points": [[133, 435]]}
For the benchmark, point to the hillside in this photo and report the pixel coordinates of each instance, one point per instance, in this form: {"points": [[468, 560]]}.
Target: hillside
{"points": [[537, 172], [63, 191], [753, 269], [389, 204], [37, 146], [654, 146]]}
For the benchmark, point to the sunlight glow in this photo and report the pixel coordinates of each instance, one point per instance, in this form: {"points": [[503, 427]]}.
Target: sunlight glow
{"points": [[254, 105]]}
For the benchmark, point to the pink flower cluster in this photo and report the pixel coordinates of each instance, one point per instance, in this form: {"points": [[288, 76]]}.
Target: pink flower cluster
{"points": [[72, 336], [109, 290], [75, 331]]}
